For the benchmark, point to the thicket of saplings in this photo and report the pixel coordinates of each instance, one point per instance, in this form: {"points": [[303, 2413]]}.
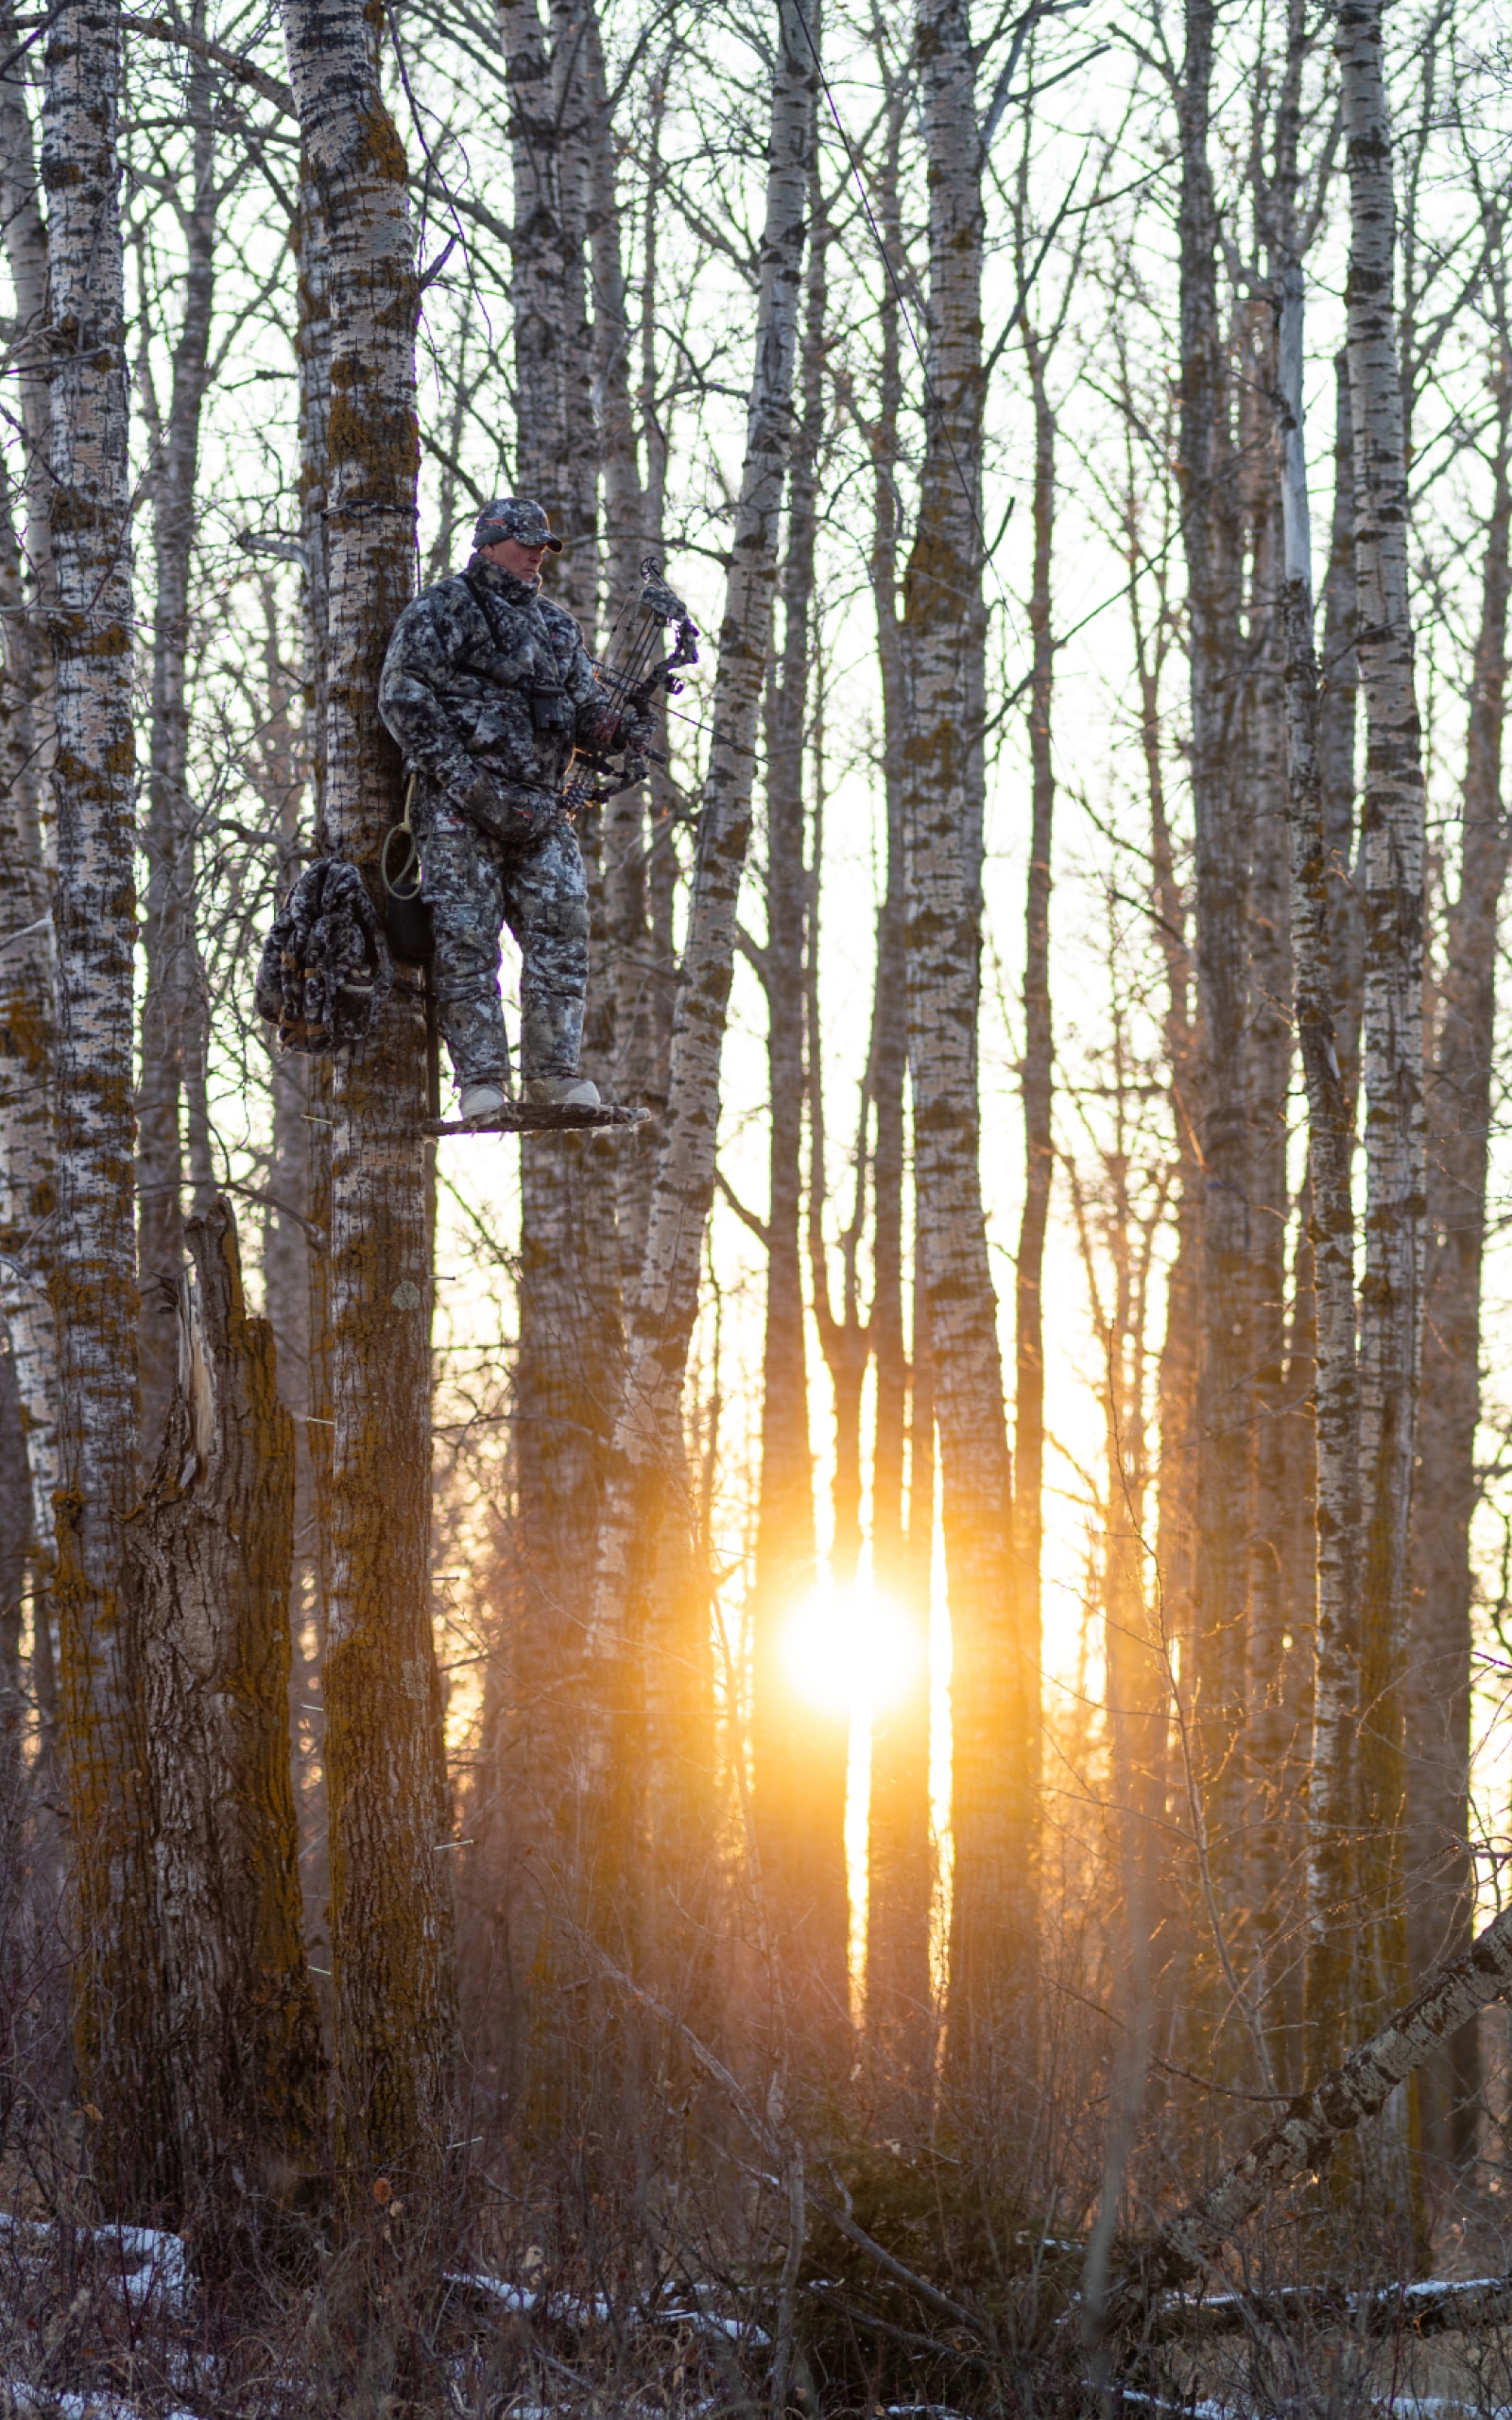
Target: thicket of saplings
{"points": [[689, 2207]]}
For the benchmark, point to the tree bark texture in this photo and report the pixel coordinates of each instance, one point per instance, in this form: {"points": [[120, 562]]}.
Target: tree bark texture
{"points": [[28, 961], [94, 1274], [1392, 1291], [1440, 1872], [900, 1862], [567, 1371], [1037, 1076], [1272, 1776], [208, 1563], [995, 1692], [1331, 1145], [647, 1450], [797, 1750], [171, 1010], [1211, 541], [390, 1907]]}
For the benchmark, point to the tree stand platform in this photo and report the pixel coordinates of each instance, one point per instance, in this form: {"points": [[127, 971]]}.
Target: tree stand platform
{"points": [[534, 1117]]}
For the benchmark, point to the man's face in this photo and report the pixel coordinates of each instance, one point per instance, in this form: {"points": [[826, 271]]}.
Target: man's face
{"points": [[510, 555]]}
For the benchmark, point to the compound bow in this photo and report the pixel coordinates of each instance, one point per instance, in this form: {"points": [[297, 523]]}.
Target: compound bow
{"points": [[631, 682]]}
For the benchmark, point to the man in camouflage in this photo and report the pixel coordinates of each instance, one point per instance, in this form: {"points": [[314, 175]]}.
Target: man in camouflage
{"points": [[488, 688]]}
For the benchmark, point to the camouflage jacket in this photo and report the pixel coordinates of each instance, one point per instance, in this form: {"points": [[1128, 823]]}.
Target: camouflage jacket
{"points": [[483, 669]]}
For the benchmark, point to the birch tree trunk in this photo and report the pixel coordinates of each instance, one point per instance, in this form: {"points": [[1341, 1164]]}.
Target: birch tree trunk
{"points": [[390, 1913], [1272, 1777], [899, 1861], [646, 1443], [208, 1558], [94, 1276], [995, 1690], [567, 1368], [28, 964], [1211, 541], [170, 1009], [1039, 1038], [1330, 1954], [1317, 2121], [798, 1752], [1392, 1291], [1441, 1885]]}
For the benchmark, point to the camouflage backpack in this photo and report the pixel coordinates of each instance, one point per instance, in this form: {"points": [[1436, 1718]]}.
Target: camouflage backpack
{"points": [[326, 969]]}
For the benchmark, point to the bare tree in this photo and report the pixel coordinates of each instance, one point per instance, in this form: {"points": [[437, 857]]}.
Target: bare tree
{"points": [[93, 1281], [174, 1010], [208, 1593], [390, 1913], [1441, 1874], [647, 1452], [996, 1669]]}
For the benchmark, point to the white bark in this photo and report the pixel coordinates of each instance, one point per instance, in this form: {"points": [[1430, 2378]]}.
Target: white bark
{"points": [[28, 970], [646, 1443], [1316, 2123], [1330, 1133], [1392, 1291], [94, 1279], [995, 1688]]}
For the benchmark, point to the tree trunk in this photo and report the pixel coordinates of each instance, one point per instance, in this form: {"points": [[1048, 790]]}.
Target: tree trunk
{"points": [[1331, 1140], [1211, 537], [1316, 2121], [207, 1596], [391, 1911], [995, 1692], [569, 1275], [170, 1008], [797, 1750], [28, 964], [1039, 1040], [1442, 1884], [94, 1278], [1273, 1776], [1392, 1291], [647, 1452], [900, 1871]]}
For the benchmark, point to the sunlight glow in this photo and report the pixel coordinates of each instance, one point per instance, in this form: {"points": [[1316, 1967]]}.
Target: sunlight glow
{"points": [[850, 1651]]}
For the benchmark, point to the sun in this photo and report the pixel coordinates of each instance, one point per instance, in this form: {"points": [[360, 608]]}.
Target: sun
{"points": [[850, 1651]]}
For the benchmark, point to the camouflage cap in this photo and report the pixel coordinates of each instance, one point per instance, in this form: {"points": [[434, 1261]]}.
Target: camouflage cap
{"points": [[517, 517]]}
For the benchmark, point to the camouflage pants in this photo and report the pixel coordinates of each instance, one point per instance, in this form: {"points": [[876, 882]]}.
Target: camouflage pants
{"points": [[473, 886]]}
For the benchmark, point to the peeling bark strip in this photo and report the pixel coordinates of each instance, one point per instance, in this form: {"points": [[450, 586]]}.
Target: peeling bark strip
{"points": [[94, 1279], [646, 1442], [1396, 1160], [1315, 2122], [390, 1912], [207, 1591], [995, 1694]]}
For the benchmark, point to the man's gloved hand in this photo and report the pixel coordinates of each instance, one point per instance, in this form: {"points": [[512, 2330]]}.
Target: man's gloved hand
{"points": [[638, 729], [501, 809]]}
